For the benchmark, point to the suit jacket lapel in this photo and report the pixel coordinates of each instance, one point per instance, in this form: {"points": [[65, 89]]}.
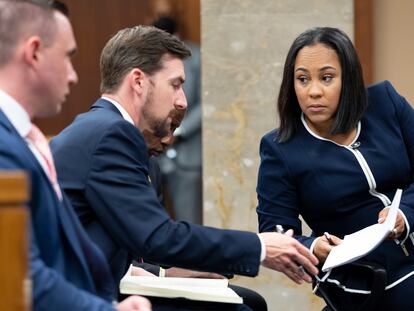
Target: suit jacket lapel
{"points": [[63, 220]]}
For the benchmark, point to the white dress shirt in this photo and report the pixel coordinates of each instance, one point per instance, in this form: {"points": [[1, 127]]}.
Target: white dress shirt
{"points": [[121, 109], [20, 120]]}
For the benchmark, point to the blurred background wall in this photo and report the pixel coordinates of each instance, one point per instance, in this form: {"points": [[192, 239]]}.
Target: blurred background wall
{"points": [[393, 50]]}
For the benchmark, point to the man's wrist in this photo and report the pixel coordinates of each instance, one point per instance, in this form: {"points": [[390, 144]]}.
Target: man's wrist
{"points": [[313, 245]]}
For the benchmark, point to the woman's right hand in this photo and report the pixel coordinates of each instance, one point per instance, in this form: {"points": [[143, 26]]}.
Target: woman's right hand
{"points": [[324, 246]]}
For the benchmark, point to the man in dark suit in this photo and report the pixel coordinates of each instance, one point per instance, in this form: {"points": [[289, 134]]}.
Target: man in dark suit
{"points": [[102, 160], [67, 270]]}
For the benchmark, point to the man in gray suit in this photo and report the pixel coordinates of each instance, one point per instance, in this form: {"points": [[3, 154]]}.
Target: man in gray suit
{"points": [[182, 164]]}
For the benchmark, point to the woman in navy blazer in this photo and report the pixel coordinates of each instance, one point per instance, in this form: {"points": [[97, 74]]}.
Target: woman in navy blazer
{"points": [[337, 159]]}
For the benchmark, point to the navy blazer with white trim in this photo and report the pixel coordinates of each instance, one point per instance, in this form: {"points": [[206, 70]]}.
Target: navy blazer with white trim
{"points": [[325, 183]]}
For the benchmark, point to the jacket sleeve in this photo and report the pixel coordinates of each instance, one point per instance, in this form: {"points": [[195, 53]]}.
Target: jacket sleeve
{"points": [[121, 195], [50, 289], [404, 113], [276, 192]]}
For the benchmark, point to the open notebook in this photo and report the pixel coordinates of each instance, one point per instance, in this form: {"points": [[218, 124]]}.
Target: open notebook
{"points": [[216, 290], [360, 243]]}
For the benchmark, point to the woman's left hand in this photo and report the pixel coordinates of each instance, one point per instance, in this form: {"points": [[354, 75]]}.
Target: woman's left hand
{"points": [[324, 246], [399, 227]]}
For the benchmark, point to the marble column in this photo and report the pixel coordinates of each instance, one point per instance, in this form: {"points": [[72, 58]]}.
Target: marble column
{"points": [[244, 45]]}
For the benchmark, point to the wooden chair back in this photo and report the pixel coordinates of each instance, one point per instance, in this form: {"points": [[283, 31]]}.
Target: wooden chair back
{"points": [[15, 287]]}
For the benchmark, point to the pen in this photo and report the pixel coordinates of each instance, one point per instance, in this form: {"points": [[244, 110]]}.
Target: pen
{"points": [[328, 237]]}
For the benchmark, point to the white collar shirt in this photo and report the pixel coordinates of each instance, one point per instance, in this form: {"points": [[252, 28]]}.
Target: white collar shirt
{"points": [[20, 120], [121, 109]]}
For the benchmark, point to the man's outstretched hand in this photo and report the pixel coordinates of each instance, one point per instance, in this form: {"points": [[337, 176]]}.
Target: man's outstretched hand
{"points": [[286, 255]]}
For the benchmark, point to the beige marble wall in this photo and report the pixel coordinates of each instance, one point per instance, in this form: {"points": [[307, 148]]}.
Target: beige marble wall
{"points": [[392, 23], [244, 44]]}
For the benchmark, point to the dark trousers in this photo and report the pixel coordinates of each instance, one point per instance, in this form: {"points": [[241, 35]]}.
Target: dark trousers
{"points": [[166, 304], [250, 298]]}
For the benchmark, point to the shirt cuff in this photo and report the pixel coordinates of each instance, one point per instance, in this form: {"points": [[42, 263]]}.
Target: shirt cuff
{"points": [[313, 244], [263, 248]]}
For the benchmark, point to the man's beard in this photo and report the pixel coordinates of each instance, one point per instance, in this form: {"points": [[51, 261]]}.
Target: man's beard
{"points": [[157, 126]]}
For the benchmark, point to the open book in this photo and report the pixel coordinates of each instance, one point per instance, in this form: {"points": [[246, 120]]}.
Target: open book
{"points": [[216, 290], [360, 243]]}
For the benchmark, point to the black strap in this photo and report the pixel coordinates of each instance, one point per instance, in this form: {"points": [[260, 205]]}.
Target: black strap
{"points": [[379, 281]]}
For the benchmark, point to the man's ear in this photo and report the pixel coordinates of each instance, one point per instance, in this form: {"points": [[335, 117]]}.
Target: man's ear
{"points": [[31, 50], [138, 80]]}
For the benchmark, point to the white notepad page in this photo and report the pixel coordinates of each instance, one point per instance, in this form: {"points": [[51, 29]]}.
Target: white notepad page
{"points": [[360, 243]]}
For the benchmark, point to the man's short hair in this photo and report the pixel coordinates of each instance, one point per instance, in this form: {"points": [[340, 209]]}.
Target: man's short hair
{"points": [[21, 19], [54, 4], [139, 47]]}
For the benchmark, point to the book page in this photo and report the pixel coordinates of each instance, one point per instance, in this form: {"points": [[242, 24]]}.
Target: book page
{"points": [[215, 290], [360, 243], [168, 281], [216, 294]]}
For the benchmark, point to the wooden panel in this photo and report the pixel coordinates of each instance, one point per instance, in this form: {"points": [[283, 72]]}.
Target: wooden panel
{"points": [[188, 17], [185, 12], [364, 36], [94, 22], [14, 291]]}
